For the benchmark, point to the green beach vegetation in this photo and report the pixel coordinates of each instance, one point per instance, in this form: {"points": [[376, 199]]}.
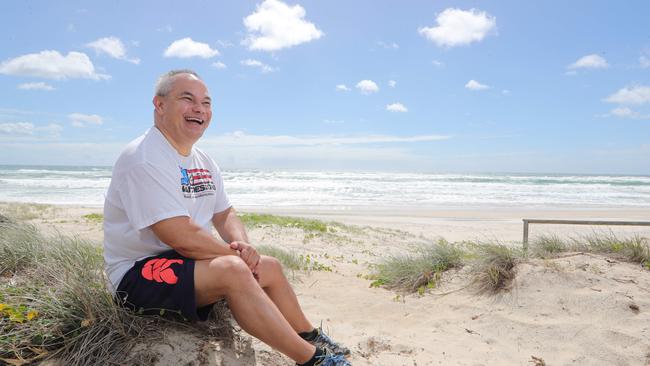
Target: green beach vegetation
{"points": [[493, 265], [262, 220], [418, 271], [54, 302], [94, 217]]}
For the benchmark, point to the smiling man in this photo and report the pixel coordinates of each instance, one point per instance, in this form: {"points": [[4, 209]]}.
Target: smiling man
{"points": [[165, 195]]}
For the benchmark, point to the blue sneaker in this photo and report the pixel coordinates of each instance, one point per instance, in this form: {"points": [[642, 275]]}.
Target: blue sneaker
{"points": [[329, 359], [325, 342]]}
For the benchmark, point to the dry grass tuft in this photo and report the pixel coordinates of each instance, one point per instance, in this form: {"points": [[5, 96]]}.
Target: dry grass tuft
{"points": [[420, 270], [494, 268], [54, 303], [546, 246]]}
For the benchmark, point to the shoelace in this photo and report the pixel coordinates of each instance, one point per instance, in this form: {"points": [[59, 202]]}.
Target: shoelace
{"points": [[333, 360], [326, 339]]}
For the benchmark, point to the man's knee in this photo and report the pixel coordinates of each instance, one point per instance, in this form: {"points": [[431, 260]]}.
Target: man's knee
{"points": [[271, 264], [229, 267]]}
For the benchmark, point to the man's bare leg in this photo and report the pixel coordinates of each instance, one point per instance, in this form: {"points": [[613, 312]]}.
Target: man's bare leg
{"points": [[276, 285], [229, 277]]}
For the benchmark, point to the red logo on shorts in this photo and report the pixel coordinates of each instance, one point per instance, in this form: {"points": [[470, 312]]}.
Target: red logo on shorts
{"points": [[158, 270]]}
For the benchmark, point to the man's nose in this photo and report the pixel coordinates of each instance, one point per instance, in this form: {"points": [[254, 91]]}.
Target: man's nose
{"points": [[200, 108]]}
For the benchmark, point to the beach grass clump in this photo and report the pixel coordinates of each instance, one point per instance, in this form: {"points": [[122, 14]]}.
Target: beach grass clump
{"points": [[634, 249], [546, 246], [261, 220], [54, 303], [288, 259], [20, 246], [494, 268], [94, 217], [418, 271], [27, 211]]}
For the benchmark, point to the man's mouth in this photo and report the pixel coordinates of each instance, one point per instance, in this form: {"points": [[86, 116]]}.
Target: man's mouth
{"points": [[195, 120]]}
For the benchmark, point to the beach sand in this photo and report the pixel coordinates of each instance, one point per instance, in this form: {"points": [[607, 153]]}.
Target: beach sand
{"points": [[579, 309]]}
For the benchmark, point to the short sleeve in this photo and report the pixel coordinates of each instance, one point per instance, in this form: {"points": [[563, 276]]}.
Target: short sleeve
{"points": [[222, 201], [150, 194]]}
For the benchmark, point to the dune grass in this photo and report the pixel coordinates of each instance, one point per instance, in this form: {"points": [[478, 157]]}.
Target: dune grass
{"points": [[261, 220], [28, 211], [417, 271], [289, 260], [634, 249], [494, 268], [54, 303], [546, 246], [94, 217]]}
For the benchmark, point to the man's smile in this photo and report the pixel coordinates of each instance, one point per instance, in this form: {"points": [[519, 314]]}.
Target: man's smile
{"points": [[195, 120]]}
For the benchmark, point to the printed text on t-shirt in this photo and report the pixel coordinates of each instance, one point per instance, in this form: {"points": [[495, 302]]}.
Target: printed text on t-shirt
{"points": [[197, 183]]}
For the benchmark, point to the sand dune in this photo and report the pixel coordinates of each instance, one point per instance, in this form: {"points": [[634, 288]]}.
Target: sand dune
{"points": [[578, 309]]}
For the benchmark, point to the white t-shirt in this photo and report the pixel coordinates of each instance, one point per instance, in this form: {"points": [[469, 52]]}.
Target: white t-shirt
{"points": [[151, 182]]}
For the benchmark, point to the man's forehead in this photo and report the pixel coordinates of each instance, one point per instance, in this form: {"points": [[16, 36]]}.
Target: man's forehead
{"points": [[182, 82]]}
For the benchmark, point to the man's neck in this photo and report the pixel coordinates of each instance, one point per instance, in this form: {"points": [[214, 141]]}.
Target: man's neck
{"points": [[183, 150]]}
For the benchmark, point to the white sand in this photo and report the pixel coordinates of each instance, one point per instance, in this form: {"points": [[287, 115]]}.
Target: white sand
{"points": [[581, 309]]}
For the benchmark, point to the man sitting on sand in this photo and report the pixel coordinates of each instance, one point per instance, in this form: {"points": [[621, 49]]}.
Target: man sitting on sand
{"points": [[159, 252]]}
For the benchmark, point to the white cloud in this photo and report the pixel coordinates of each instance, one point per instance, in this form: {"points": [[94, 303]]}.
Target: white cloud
{"points": [[644, 62], [224, 44], [458, 27], [333, 122], [437, 63], [635, 95], [255, 63], [17, 128], [590, 62], [475, 85], [239, 138], [28, 129], [52, 65], [388, 45], [36, 86], [113, 47], [367, 86], [505, 92], [168, 28], [186, 48], [625, 112], [342, 87], [396, 107], [219, 65], [275, 25], [392, 83], [82, 120]]}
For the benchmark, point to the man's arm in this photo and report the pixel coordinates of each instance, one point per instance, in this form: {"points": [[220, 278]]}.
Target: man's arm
{"points": [[233, 231], [230, 226], [190, 239]]}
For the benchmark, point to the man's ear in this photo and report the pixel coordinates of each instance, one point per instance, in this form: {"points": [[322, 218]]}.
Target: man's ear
{"points": [[158, 103]]}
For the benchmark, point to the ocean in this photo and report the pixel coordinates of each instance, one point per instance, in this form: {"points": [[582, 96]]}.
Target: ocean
{"points": [[347, 190]]}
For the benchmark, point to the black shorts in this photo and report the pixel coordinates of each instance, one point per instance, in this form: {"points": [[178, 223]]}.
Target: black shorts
{"points": [[162, 284]]}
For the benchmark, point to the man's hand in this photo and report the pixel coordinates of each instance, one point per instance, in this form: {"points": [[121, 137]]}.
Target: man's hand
{"points": [[248, 253]]}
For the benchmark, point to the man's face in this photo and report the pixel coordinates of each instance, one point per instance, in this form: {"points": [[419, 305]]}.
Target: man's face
{"points": [[186, 110]]}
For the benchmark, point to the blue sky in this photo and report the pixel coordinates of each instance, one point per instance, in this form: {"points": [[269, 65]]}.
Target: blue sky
{"points": [[436, 86]]}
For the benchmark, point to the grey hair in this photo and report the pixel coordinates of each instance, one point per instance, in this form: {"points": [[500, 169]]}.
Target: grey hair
{"points": [[164, 83]]}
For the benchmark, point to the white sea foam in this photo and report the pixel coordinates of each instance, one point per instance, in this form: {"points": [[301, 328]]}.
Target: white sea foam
{"points": [[87, 185]]}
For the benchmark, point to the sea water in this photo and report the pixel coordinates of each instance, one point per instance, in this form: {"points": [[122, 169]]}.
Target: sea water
{"points": [[333, 190]]}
